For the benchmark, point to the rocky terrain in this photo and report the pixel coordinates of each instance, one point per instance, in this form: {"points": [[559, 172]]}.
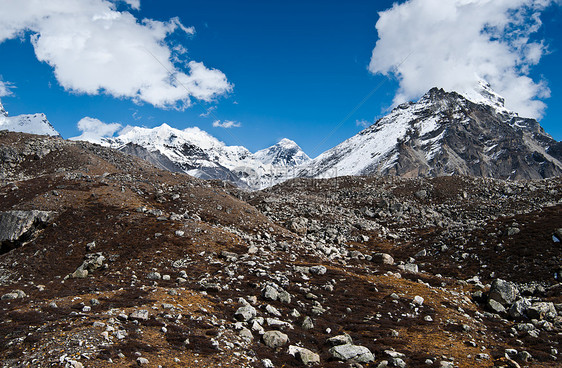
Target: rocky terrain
{"points": [[107, 261]]}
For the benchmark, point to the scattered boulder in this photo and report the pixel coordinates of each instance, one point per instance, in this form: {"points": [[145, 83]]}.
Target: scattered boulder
{"points": [[307, 357], [154, 276], [383, 258], [519, 308], [357, 353], [245, 313], [502, 292], [92, 262], [16, 294], [495, 306], [340, 340], [318, 270], [275, 339], [542, 310], [139, 315], [270, 293]]}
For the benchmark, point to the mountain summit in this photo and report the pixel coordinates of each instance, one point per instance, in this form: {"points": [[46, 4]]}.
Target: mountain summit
{"points": [[197, 153], [445, 133], [33, 123]]}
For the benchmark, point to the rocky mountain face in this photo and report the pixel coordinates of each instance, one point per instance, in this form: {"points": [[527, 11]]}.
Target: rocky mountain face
{"points": [[197, 153], [108, 261], [3, 112], [444, 133], [32, 123]]}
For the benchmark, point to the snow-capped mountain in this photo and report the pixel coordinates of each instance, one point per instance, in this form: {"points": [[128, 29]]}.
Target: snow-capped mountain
{"points": [[3, 112], [33, 123], [445, 133], [197, 153], [286, 153]]}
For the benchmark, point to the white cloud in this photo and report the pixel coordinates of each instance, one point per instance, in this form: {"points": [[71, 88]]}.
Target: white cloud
{"points": [[363, 123], [453, 44], [5, 88], [226, 124], [134, 4], [95, 48], [93, 130], [208, 112]]}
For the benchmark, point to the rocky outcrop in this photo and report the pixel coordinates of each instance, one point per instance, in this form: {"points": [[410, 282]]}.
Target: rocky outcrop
{"points": [[16, 227]]}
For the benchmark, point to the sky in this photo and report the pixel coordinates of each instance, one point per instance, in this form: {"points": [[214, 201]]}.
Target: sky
{"points": [[253, 72]]}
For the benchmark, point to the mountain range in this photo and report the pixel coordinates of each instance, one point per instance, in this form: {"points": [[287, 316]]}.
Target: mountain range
{"points": [[444, 133]]}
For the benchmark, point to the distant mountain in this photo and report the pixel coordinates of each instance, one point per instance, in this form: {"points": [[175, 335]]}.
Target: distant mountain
{"points": [[34, 124], [286, 153], [445, 133], [197, 153]]}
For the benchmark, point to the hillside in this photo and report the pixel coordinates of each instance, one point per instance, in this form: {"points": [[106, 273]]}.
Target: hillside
{"points": [[107, 261]]}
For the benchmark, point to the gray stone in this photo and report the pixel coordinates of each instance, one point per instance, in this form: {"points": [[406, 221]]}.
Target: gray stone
{"points": [[383, 258], [80, 273], [142, 361], [347, 352], [519, 308], [307, 324], [246, 334], [513, 231], [272, 310], [16, 294], [542, 310], [154, 276], [398, 362], [275, 339], [306, 356], [409, 267], [318, 270], [245, 313], [92, 262], [340, 340], [496, 306], [502, 292], [421, 194], [284, 297], [139, 314], [270, 293]]}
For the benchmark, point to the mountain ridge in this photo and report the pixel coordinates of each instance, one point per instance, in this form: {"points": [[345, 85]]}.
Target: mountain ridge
{"points": [[27, 123], [443, 133]]}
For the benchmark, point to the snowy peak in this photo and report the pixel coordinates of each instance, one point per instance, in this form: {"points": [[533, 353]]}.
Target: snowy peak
{"points": [[285, 153], [445, 133], [198, 153], [3, 112], [33, 124]]}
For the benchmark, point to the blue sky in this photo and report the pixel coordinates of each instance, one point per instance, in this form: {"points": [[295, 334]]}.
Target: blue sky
{"points": [[295, 69]]}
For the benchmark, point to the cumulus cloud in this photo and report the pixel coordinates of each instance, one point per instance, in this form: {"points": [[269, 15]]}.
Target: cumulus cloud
{"points": [[454, 44], [94, 130], [95, 48], [226, 124], [5, 89], [134, 4]]}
